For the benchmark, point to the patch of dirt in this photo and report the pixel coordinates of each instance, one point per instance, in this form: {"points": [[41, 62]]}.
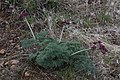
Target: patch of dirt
{"points": [[14, 64]]}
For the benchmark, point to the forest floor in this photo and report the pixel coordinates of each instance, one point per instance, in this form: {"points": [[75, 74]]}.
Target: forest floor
{"points": [[14, 64]]}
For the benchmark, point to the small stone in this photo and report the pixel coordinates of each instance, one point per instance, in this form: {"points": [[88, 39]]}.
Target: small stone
{"points": [[2, 51], [118, 12], [27, 74]]}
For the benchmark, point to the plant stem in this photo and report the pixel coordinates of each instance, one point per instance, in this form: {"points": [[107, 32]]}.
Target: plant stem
{"points": [[80, 51], [30, 28], [61, 33]]}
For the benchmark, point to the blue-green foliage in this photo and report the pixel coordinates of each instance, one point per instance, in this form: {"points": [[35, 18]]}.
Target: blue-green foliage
{"points": [[53, 54]]}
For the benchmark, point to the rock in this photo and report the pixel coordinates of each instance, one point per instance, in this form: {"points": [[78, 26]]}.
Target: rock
{"points": [[27, 74], [2, 51]]}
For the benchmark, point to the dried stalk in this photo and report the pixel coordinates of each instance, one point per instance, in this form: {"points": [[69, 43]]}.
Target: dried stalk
{"points": [[62, 33], [30, 28], [80, 51]]}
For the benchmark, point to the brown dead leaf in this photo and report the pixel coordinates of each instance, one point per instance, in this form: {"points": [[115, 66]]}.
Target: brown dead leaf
{"points": [[13, 67], [2, 64], [18, 46], [2, 51], [14, 62], [11, 62], [7, 63], [12, 44]]}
